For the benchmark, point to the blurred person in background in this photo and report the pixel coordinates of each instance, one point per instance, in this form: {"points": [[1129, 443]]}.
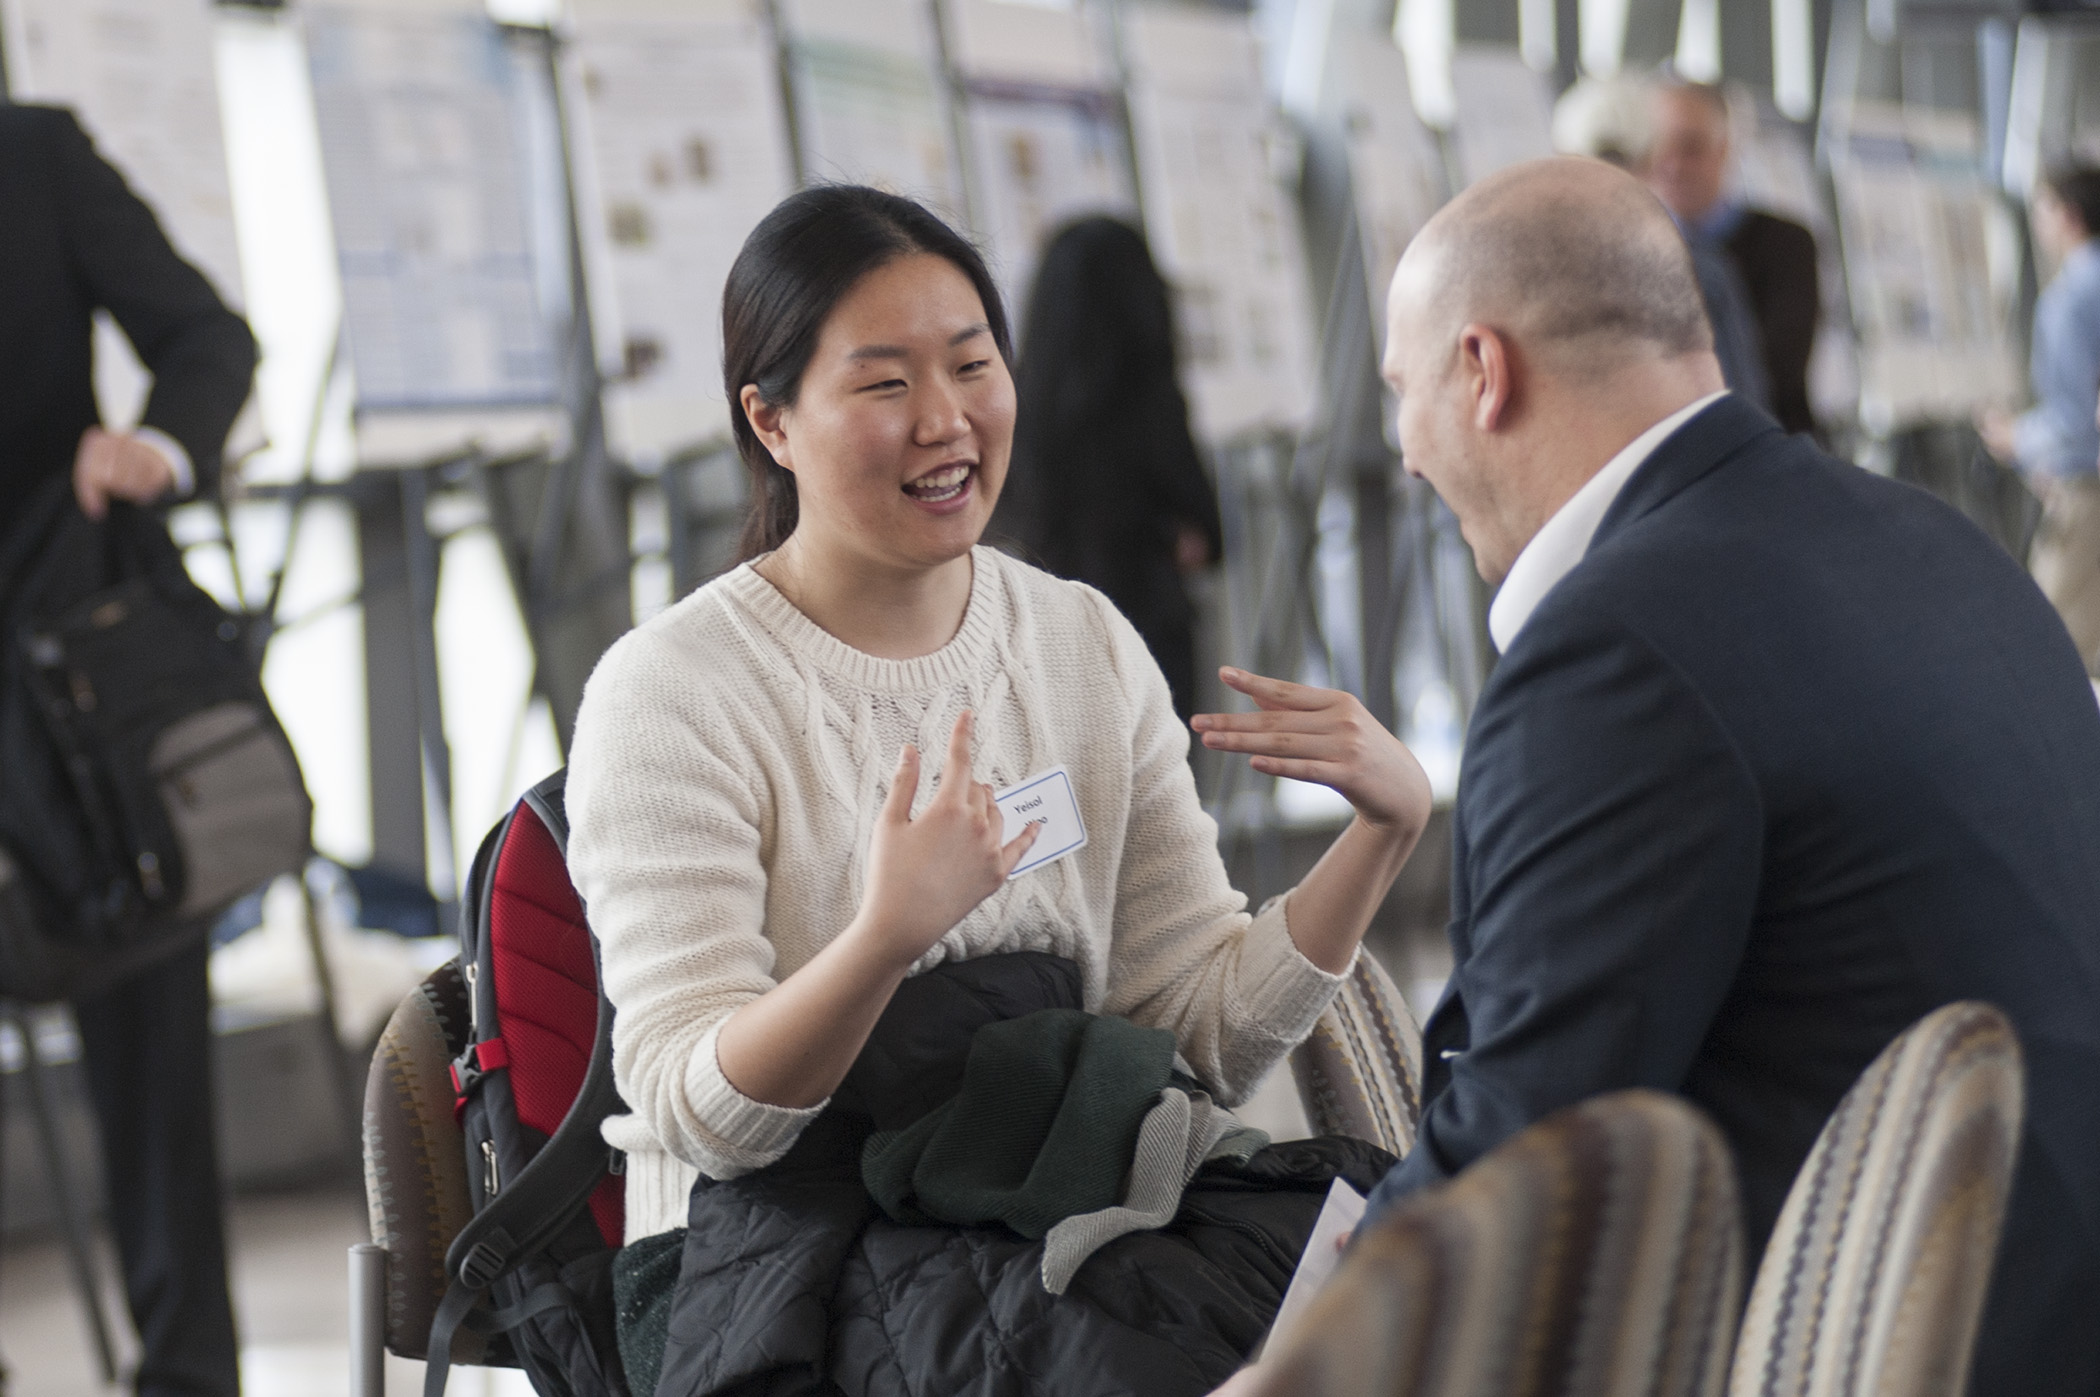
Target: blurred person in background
{"points": [[74, 240], [1106, 487], [1612, 119], [2056, 444], [1686, 165]]}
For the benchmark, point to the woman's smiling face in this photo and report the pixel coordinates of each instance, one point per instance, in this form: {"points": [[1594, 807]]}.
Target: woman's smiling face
{"points": [[904, 421]]}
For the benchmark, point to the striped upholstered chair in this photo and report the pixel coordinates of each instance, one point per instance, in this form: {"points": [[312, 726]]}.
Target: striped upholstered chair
{"points": [[416, 1163], [1874, 1280], [1596, 1254], [1360, 1073]]}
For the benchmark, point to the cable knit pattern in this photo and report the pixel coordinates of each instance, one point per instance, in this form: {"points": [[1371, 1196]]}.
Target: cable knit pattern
{"points": [[729, 761]]}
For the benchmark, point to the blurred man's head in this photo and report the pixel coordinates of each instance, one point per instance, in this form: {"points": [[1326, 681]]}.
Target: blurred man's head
{"points": [[1687, 162], [1609, 119], [1536, 325], [2066, 209]]}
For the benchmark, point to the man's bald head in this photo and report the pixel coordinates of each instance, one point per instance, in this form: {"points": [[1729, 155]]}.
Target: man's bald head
{"points": [[1571, 258], [1539, 323]]}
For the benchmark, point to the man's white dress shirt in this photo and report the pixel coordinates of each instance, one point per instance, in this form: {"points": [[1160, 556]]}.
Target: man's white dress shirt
{"points": [[1563, 540]]}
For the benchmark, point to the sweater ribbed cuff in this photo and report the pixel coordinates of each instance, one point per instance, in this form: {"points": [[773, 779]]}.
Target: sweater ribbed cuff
{"points": [[1280, 991], [752, 1133]]}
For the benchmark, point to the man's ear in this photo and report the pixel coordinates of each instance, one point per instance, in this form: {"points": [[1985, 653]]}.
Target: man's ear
{"points": [[1486, 366], [769, 422]]}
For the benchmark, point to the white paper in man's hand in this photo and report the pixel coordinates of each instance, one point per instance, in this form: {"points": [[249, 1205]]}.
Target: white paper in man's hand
{"points": [[1339, 1215]]}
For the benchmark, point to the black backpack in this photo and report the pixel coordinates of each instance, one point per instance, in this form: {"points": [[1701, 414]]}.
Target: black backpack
{"points": [[145, 784], [533, 1269]]}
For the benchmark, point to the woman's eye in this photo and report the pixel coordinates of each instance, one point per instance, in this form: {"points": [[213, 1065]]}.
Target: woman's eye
{"points": [[882, 386], [973, 366]]}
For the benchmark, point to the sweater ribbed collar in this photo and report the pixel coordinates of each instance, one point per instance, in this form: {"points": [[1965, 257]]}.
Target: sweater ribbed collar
{"points": [[962, 656]]}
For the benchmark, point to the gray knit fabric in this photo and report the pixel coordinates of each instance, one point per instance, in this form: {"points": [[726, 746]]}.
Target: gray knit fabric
{"points": [[1179, 1134]]}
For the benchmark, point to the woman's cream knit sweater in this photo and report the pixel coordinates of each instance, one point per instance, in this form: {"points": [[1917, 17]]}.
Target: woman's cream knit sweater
{"points": [[729, 760]]}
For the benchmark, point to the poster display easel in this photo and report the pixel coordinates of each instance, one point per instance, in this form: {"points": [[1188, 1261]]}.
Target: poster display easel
{"points": [[869, 100], [680, 145], [1930, 260], [1043, 123], [449, 298], [2054, 108], [1395, 170], [445, 163], [1503, 111], [1213, 159]]}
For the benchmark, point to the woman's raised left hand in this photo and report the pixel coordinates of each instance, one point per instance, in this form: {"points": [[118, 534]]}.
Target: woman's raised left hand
{"points": [[1325, 736]]}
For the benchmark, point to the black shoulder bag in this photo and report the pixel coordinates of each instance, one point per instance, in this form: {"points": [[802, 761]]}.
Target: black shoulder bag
{"points": [[145, 785]]}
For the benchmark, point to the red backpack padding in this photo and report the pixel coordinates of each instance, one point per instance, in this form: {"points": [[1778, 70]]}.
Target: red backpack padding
{"points": [[546, 990], [533, 1267]]}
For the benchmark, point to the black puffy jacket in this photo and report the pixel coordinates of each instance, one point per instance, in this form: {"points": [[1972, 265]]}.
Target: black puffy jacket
{"points": [[791, 1284]]}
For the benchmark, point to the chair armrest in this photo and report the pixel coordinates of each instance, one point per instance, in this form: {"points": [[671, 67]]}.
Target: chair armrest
{"points": [[1359, 1073]]}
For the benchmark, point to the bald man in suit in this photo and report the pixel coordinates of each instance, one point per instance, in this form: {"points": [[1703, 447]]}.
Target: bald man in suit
{"points": [[1779, 756]]}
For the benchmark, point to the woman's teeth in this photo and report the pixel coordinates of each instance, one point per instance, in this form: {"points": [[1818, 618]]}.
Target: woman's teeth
{"points": [[936, 486]]}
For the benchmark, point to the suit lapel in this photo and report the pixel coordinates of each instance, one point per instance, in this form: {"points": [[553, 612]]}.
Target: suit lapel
{"points": [[1699, 446]]}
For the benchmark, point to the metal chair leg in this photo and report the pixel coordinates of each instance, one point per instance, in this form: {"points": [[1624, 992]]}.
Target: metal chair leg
{"points": [[79, 1248], [367, 1320]]}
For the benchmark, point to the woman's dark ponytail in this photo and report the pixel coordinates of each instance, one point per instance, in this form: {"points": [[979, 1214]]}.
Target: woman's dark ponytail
{"points": [[798, 263]]}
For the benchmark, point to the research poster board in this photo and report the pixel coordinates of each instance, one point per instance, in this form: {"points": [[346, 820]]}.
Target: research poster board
{"points": [[869, 100], [1395, 170], [1502, 113], [1931, 262], [1213, 161], [142, 77], [1045, 134], [454, 265], [2054, 107], [679, 140]]}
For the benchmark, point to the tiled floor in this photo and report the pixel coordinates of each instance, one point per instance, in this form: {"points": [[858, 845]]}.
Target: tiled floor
{"points": [[290, 1285]]}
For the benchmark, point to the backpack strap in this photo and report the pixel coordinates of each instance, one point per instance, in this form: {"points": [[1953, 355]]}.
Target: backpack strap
{"points": [[549, 801], [529, 1211], [457, 1311]]}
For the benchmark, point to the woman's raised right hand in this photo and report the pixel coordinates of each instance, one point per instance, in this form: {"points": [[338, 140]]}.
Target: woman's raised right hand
{"points": [[925, 875]]}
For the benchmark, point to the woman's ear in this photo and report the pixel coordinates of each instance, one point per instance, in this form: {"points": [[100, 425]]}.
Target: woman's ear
{"points": [[768, 420]]}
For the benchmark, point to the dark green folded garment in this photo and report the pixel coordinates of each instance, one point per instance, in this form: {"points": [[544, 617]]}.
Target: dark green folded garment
{"points": [[1043, 1128]]}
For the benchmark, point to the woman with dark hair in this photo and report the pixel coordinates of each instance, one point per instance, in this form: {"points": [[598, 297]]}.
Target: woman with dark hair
{"points": [[803, 932], [1106, 486]]}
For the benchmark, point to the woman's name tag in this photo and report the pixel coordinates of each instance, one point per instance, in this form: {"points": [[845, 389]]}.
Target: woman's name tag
{"points": [[1044, 799]]}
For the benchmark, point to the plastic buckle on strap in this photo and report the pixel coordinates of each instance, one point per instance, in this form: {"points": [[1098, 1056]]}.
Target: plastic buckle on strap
{"points": [[486, 1260], [471, 1066]]}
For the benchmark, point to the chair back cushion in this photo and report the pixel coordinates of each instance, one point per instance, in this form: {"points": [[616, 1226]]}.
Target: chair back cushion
{"points": [[416, 1158], [1360, 1072], [1597, 1253], [1874, 1280]]}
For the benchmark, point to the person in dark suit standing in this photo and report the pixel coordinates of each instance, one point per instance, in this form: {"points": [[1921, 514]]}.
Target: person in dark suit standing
{"points": [[1106, 487], [73, 240], [1687, 166], [1779, 755]]}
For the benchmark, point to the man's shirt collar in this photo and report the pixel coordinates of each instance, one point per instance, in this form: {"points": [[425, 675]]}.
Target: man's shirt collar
{"points": [[1563, 540]]}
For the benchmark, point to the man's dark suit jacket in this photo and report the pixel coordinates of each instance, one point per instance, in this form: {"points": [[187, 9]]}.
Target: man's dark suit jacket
{"points": [[1792, 757], [1777, 259], [73, 240]]}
